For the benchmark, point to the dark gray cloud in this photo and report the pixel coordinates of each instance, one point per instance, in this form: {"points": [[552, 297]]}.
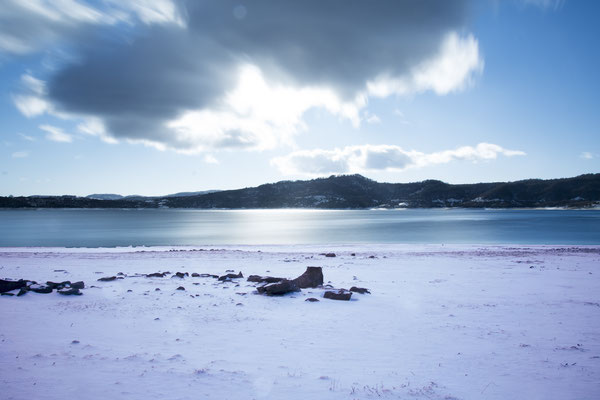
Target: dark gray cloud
{"points": [[136, 86]]}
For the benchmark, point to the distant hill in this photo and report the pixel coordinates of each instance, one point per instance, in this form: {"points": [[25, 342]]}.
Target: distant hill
{"points": [[351, 192]]}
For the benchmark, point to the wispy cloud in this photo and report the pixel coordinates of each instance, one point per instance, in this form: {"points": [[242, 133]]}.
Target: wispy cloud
{"points": [[27, 137], [210, 159], [20, 154], [56, 134], [586, 155], [545, 4], [358, 159]]}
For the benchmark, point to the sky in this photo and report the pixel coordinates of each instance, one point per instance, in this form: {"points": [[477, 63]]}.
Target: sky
{"points": [[154, 97]]}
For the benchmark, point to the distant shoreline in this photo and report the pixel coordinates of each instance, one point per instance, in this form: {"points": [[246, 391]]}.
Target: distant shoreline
{"points": [[346, 192]]}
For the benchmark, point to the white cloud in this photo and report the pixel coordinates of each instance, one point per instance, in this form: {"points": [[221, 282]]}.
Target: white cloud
{"points": [[545, 4], [20, 154], [372, 118], [31, 106], [210, 159], [452, 69], [586, 155], [33, 24], [358, 159], [256, 115], [259, 113], [56, 134], [26, 137]]}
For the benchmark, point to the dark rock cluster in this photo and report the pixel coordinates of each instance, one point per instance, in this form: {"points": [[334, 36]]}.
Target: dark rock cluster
{"points": [[65, 288], [311, 278]]}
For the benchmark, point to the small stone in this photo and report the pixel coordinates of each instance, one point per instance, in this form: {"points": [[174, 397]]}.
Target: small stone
{"points": [[359, 290], [339, 295], [209, 276], [108, 279], [180, 275], [69, 292], [78, 285], [156, 275], [75, 342], [40, 288], [157, 290], [231, 276], [264, 279], [329, 254], [311, 300], [180, 288]]}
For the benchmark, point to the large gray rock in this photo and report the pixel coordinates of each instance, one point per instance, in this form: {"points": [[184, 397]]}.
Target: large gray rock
{"points": [[311, 278], [279, 288], [7, 286]]}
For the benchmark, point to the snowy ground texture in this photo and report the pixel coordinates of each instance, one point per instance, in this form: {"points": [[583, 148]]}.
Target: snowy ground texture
{"points": [[442, 322]]}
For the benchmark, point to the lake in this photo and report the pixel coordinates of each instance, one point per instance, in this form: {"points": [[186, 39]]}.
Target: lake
{"points": [[150, 227]]}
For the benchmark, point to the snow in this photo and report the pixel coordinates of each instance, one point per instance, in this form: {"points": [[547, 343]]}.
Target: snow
{"points": [[442, 322]]}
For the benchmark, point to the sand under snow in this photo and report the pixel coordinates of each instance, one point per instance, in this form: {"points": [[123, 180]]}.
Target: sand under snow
{"points": [[442, 322]]}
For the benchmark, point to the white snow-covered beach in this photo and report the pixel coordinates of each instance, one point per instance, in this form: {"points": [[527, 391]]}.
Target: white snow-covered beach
{"points": [[441, 322]]}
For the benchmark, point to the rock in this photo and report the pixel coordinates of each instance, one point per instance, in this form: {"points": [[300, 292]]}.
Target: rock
{"points": [[359, 290], [107, 279], [121, 274], [7, 286], [231, 276], [180, 275], [353, 254], [78, 285], [180, 288], [279, 288], [264, 279], [312, 277], [156, 275], [40, 288], [339, 295], [329, 254], [58, 285], [209, 276], [23, 291], [7, 294], [70, 292], [157, 290], [195, 275], [311, 299]]}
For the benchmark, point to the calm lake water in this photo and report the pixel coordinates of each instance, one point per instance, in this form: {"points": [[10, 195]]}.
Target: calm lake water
{"points": [[108, 227]]}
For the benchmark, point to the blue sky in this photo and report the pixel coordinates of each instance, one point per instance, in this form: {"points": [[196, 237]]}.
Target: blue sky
{"points": [[157, 97]]}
